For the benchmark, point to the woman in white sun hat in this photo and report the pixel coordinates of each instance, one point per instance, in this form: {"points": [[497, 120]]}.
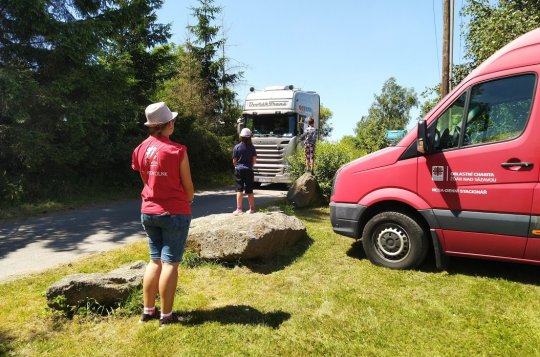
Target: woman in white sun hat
{"points": [[165, 211]]}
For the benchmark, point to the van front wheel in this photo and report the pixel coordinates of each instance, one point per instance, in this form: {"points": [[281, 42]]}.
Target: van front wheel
{"points": [[394, 240]]}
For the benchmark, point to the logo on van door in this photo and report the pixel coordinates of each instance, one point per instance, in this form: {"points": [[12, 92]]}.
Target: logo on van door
{"points": [[437, 173], [443, 173]]}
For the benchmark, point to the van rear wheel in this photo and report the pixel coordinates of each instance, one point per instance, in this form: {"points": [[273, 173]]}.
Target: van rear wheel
{"points": [[394, 240]]}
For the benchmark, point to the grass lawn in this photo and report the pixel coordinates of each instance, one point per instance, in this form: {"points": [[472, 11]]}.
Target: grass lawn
{"points": [[324, 298]]}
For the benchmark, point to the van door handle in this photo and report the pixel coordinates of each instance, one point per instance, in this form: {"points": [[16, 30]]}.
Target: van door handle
{"points": [[522, 164]]}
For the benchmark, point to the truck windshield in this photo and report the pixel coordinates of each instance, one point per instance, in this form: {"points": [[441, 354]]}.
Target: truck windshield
{"points": [[273, 124]]}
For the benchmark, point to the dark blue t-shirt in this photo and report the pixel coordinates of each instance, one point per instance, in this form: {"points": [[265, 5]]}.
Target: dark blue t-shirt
{"points": [[244, 156]]}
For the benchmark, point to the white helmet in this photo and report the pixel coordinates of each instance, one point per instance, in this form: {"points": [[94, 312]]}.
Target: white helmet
{"points": [[245, 133]]}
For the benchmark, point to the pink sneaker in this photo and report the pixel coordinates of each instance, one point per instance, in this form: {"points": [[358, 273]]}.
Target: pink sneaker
{"points": [[251, 211], [237, 212]]}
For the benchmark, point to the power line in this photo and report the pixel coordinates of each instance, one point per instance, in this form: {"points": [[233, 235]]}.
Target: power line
{"points": [[460, 30], [436, 42]]}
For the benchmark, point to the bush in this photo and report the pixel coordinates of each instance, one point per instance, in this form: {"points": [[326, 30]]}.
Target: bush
{"points": [[209, 154], [329, 157]]}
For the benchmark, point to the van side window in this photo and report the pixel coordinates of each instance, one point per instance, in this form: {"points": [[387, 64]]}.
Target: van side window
{"points": [[499, 109], [448, 125]]}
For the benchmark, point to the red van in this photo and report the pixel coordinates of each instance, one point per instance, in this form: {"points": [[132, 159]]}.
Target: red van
{"points": [[465, 183]]}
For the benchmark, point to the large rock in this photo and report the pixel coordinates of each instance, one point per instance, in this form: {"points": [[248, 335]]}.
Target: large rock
{"points": [[248, 236], [305, 191], [107, 289]]}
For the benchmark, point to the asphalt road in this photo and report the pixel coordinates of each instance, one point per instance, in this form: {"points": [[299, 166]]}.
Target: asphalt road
{"points": [[35, 244]]}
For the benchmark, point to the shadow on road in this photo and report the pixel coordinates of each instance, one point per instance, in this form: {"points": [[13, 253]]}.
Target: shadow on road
{"points": [[67, 231], [82, 230], [274, 187]]}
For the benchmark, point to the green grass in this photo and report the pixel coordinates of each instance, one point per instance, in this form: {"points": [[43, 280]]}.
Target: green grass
{"points": [[324, 298]]}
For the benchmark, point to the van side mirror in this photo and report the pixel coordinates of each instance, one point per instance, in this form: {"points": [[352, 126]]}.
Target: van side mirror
{"points": [[421, 138], [300, 125]]}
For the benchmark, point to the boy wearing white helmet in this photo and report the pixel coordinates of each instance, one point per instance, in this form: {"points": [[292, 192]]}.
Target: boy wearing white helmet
{"points": [[244, 157]]}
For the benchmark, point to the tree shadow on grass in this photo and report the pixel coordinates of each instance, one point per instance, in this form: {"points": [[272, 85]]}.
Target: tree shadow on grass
{"points": [[279, 262], [313, 214], [521, 273], [6, 343], [234, 314]]}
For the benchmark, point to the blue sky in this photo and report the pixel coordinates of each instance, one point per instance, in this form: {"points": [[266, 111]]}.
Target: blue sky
{"points": [[344, 49]]}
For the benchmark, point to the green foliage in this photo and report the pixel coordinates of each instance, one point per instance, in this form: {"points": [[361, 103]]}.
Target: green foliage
{"points": [[208, 153], [493, 25], [325, 128], [287, 208], [74, 80], [90, 308], [192, 260], [390, 111], [329, 157], [431, 96]]}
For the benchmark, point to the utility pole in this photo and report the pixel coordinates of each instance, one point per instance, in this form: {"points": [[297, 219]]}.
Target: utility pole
{"points": [[451, 41], [445, 82]]}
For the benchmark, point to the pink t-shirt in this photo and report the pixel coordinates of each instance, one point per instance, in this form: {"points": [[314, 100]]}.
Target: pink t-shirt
{"points": [[158, 161]]}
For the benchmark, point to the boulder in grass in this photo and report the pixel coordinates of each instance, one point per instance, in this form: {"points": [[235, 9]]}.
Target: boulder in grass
{"points": [[305, 191], [258, 236], [106, 289]]}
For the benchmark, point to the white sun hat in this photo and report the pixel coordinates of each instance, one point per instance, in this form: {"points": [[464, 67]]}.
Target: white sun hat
{"points": [[158, 113]]}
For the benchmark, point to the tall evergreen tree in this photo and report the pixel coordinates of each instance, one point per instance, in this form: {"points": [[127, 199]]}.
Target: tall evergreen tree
{"points": [[220, 105], [75, 74]]}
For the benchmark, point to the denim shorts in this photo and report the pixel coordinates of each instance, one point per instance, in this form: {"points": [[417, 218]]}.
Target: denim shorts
{"points": [[167, 235]]}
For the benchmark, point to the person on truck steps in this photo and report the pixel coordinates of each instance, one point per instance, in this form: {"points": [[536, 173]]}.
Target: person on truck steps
{"points": [[310, 136], [244, 157]]}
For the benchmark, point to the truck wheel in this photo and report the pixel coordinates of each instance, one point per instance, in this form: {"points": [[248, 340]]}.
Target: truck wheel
{"points": [[394, 240]]}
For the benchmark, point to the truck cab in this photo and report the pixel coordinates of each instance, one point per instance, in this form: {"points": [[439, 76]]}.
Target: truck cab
{"points": [[277, 118], [465, 183]]}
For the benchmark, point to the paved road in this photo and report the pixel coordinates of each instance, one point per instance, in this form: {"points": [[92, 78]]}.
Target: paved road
{"points": [[35, 244]]}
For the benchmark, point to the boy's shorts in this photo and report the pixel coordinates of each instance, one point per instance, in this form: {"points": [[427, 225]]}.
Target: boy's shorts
{"points": [[167, 235], [309, 151], [243, 180]]}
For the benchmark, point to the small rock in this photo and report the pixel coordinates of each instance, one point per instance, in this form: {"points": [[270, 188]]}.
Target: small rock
{"points": [[106, 289]]}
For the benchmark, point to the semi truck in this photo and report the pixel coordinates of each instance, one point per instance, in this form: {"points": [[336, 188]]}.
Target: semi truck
{"points": [[277, 117], [465, 183]]}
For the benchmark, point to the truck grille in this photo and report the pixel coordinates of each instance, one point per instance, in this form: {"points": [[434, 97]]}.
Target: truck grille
{"points": [[270, 159]]}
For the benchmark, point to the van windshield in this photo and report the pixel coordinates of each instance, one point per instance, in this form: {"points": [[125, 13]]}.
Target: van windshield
{"points": [[272, 124]]}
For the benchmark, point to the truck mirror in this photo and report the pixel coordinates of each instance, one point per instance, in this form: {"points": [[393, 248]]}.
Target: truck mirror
{"points": [[421, 138], [240, 123]]}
